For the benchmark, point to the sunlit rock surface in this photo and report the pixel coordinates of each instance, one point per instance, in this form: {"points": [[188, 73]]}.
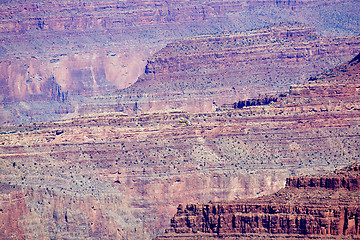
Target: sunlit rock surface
{"points": [[118, 176], [312, 207], [58, 59], [197, 74]]}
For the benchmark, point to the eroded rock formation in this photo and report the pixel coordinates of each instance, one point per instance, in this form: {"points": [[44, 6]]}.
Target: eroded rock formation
{"points": [[195, 74], [88, 48], [308, 207], [113, 175], [122, 176]]}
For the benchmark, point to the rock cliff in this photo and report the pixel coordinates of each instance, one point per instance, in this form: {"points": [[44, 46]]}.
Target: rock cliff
{"points": [[200, 71], [312, 207], [115, 176], [120, 176], [88, 48]]}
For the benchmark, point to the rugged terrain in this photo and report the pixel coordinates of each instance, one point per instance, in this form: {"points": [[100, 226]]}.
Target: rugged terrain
{"points": [[121, 174], [195, 74], [118, 176], [55, 57], [311, 207]]}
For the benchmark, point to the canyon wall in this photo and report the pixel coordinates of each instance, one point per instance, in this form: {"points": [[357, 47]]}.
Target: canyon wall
{"points": [[190, 75], [121, 175], [309, 207], [239, 66], [91, 73], [89, 48], [302, 210], [132, 171]]}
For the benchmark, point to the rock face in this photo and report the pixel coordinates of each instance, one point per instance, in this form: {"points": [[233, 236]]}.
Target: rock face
{"points": [[34, 78], [25, 213], [117, 176], [308, 207], [347, 178], [200, 71], [55, 57]]}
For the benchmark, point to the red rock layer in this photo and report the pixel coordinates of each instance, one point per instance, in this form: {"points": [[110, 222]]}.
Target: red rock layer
{"points": [[89, 48], [135, 170], [303, 210], [37, 213], [343, 179], [12, 208], [195, 74], [309, 207]]}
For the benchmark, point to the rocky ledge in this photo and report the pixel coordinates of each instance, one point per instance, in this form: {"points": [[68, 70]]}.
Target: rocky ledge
{"points": [[326, 206], [348, 178], [194, 74], [115, 176]]}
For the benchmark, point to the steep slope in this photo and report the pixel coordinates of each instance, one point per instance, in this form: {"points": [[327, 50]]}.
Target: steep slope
{"points": [[195, 74], [114, 176], [313, 207], [310, 207], [53, 56]]}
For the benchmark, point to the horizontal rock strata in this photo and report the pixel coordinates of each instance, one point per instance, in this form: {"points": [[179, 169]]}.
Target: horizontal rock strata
{"points": [[57, 58], [309, 207], [195, 73], [122, 176], [302, 210]]}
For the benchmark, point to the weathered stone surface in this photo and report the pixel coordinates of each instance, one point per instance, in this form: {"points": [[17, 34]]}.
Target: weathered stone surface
{"points": [[88, 48], [117, 176], [303, 209], [195, 74], [309, 207], [136, 169], [347, 179]]}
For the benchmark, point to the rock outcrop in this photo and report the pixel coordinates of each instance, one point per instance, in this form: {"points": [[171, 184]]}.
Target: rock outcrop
{"points": [[310, 207], [88, 48], [122, 176], [195, 74]]}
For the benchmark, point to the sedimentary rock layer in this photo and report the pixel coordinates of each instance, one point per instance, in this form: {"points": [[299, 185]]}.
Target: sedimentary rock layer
{"points": [[238, 66], [310, 207], [122, 176], [88, 48]]}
